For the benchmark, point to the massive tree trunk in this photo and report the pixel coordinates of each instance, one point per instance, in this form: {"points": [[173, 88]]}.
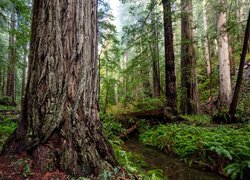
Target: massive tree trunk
{"points": [[10, 85], [155, 55], [190, 97], [59, 126], [171, 93], [224, 98]]}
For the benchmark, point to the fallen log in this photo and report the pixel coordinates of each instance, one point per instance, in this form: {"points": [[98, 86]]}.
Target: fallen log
{"points": [[156, 115], [128, 131]]}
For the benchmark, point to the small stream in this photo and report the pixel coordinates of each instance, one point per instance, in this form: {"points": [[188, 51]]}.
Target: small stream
{"points": [[172, 167]]}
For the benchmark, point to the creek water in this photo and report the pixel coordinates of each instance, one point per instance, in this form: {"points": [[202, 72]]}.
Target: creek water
{"points": [[171, 166]]}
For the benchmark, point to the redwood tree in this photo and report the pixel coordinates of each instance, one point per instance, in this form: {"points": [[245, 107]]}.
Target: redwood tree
{"points": [[225, 89], [10, 85], [155, 53], [190, 96], [59, 125], [169, 59]]}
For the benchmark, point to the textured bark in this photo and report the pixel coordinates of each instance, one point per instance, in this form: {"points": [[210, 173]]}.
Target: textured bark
{"points": [[235, 99], [224, 98], [190, 96], [171, 93], [59, 125], [155, 56], [10, 85]]}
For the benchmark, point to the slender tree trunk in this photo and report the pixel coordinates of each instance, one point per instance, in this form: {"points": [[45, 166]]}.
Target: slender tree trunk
{"points": [[171, 93], [207, 48], [224, 98], [24, 71], [116, 91], [190, 97], [10, 87], [235, 99], [1, 79], [155, 57], [3, 82], [231, 56], [59, 126], [126, 78], [107, 93]]}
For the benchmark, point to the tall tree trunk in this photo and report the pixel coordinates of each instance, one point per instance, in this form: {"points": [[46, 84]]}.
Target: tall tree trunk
{"points": [[171, 93], [116, 90], [1, 79], [107, 92], [155, 55], [235, 99], [24, 71], [207, 48], [59, 126], [190, 97], [10, 86], [231, 55], [224, 98], [126, 78], [3, 82]]}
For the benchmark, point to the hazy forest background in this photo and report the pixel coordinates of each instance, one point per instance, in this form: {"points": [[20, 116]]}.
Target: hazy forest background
{"points": [[167, 94]]}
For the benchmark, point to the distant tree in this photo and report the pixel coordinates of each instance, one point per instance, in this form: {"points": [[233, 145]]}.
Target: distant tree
{"points": [[190, 96], [59, 125], [207, 47], [155, 51], [170, 78], [225, 89], [11, 72], [235, 99], [25, 54]]}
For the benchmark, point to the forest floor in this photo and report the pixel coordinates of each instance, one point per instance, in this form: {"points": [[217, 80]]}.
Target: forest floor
{"points": [[18, 167], [199, 147], [223, 149]]}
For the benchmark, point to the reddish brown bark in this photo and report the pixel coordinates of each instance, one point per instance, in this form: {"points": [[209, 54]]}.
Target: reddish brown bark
{"points": [[190, 96], [171, 93], [60, 126]]}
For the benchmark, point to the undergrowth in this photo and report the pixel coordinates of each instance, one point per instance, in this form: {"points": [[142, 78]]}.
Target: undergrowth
{"points": [[132, 162], [215, 146], [140, 105], [6, 128]]}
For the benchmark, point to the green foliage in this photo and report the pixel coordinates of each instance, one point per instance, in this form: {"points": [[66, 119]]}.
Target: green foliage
{"points": [[5, 100], [224, 117], [231, 144], [149, 104], [112, 128], [6, 129], [26, 170], [197, 119], [134, 164], [238, 169]]}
